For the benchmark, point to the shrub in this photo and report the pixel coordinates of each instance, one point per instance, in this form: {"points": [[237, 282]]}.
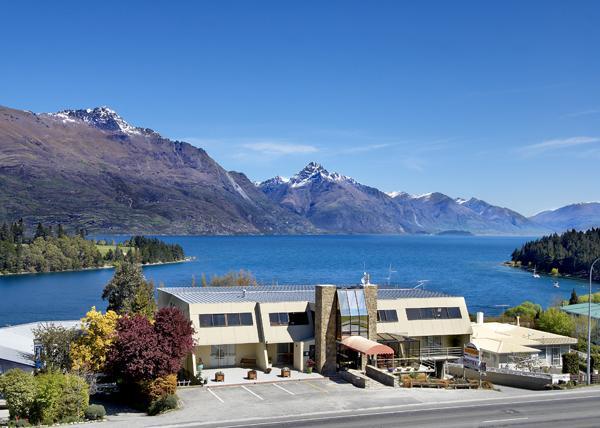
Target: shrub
{"points": [[95, 412], [59, 397], [160, 387], [46, 407], [18, 388], [74, 397], [570, 363], [168, 402]]}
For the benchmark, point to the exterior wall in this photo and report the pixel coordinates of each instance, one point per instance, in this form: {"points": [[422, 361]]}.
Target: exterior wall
{"points": [[224, 335], [6, 365], [418, 328], [325, 325], [285, 334], [371, 301]]}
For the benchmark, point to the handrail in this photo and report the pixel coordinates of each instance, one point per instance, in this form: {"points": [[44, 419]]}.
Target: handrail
{"points": [[440, 351]]}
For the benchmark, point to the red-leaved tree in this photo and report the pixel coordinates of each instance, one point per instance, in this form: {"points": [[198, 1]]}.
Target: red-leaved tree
{"points": [[174, 333], [145, 351]]}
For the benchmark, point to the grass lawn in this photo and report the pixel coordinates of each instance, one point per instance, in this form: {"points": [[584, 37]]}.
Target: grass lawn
{"points": [[104, 249]]}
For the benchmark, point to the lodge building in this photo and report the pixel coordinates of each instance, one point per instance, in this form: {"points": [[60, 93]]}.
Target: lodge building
{"points": [[335, 326]]}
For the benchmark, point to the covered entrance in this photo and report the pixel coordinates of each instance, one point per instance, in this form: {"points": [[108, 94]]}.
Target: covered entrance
{"points": [[353, 352]]}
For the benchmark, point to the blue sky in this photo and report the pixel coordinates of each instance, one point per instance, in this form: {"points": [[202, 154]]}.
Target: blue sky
{"points": [[499, 100]]}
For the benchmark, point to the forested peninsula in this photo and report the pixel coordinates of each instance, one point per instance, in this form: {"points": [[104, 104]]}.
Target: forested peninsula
{"points": [[570, 253], [55, 250]]}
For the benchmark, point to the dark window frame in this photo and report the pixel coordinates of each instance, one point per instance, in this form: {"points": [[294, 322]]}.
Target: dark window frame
{"points": [[244, 319]]}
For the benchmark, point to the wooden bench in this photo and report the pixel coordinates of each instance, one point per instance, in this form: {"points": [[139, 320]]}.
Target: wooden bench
{"points": [[248, 363]]}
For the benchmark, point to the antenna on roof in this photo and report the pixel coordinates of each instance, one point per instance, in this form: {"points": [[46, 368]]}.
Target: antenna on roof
{"points": [[366, 279]]}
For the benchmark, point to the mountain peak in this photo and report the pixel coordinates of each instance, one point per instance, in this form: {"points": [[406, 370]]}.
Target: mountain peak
{"points": [[102, 117], [314, 172]]}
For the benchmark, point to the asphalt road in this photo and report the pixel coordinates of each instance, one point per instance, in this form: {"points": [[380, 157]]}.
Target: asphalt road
{"points": [[581, 410]]}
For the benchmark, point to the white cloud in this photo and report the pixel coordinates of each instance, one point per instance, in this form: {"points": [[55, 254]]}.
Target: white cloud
{"points": [[558, 144], [276, 148], [581, 113], [364, 149]]}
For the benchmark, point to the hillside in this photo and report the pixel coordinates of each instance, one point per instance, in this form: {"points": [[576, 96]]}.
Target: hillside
{"points": [[570, 253], [582, 216], [336, 203], [91, 169]]}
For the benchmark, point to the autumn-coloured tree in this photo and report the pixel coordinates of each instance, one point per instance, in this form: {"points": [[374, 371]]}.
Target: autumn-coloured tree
{"points": [[133, 355], [98, 332], [175, 335], [145, 351]]}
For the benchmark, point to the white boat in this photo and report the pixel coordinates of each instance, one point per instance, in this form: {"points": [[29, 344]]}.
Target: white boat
{"points": [[535, 274], [555, 284]]}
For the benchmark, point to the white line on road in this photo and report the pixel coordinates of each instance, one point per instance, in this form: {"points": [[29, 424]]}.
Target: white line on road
{"points": [[283, 389], [253, 393], [215, 395], [503, 420]]}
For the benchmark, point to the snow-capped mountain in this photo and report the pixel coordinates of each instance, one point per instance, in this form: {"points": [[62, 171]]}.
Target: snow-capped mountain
{"points": [[336, 203], [580, 216], [90, 168], [99, 117]]}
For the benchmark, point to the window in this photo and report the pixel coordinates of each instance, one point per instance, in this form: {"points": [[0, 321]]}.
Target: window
{"points": [[233, 319], [387, 315], [226, 320], [353, 315], [433, 313], [246, 318], [298, 318], [219, 320], [288, 318]]}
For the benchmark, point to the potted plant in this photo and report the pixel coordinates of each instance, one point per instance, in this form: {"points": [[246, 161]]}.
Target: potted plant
{"points": [[252, 375], [219, 376], [310, 364], [285, 372]]}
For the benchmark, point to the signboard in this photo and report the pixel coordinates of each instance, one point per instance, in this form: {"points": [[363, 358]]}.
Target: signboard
{"points": [[472, 357]]}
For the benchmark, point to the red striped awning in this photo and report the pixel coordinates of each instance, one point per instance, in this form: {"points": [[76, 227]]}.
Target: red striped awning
{"points": [[366, 346]]}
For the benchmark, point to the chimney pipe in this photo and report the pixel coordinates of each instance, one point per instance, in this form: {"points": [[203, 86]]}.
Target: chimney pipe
{"points": [[518, 321], [243, 293], [479, 317]]}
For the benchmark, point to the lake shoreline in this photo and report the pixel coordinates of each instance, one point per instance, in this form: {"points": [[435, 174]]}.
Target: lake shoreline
{"points": [[187, 259], [584, 278]]}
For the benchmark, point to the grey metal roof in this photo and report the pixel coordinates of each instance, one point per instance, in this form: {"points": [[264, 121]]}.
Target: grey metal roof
{"points": [[279, 293], [16, 356]]}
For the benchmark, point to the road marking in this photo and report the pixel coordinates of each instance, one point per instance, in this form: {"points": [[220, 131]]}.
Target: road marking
{"points": [[283, 389], [316, 387], [215, 395], [387, 410], [503, 420], [253, 393]]}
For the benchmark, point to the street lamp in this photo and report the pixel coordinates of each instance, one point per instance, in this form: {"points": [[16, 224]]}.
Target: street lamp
{"points": [[589, 332]]}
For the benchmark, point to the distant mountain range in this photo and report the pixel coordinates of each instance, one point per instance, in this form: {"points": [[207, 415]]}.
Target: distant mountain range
{"points": [[339, 204], [90, 168]]}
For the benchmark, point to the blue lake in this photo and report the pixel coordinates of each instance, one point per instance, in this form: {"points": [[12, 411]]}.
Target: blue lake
{"points": [[467, 266]]}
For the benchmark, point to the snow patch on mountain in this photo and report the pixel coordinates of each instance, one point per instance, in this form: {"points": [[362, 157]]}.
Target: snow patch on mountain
{"points": [[99, 117]]}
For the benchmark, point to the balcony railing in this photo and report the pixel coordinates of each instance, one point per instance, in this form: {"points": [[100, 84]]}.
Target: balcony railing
{"points": [[441, 352]]}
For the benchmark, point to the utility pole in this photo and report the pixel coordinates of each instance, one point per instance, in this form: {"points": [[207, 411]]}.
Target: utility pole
{"points": [[589, 332]]}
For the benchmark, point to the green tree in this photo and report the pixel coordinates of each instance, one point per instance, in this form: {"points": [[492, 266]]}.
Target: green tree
{"points": [[18, 388], [526, 309], [556, 321], [128, 292], [573, 299], [242, 278], [56, 346]]}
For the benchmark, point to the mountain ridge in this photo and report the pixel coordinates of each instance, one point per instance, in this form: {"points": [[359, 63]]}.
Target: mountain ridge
{"points": [[90, 168]]}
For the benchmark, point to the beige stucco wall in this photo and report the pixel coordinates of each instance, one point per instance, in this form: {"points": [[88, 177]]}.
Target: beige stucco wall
{"points": [[224, 335], [418, 328], [285, 334]]}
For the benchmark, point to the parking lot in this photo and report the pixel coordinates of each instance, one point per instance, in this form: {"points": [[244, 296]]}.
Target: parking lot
{"points": [[270, 392]]}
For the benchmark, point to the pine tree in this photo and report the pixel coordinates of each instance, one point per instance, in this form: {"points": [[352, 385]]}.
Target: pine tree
{"points": [[40, 231], [573, 299], [60, 232], [128, 292]]}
